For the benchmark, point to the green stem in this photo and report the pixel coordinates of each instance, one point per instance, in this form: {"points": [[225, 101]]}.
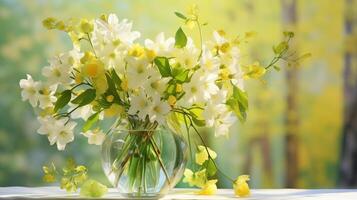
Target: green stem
{"points": [[160, 161], [91, 44], [201, 42], [188, 137]]}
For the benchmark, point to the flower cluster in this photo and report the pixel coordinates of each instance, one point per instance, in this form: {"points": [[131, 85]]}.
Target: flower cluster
{"points": [[168, 81], [109, 74]]}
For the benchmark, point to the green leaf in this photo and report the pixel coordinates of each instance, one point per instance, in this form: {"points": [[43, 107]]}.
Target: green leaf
{"points": [[276, 68], [289, 34], [211, 169], [111, 87], [164, 66], [85, 97], [180, 15], [197, 117], [238, 103], [116, 78], [63, 100], [282, 46], [180, 38], [92, 188], [90, 122], [180, 74]]}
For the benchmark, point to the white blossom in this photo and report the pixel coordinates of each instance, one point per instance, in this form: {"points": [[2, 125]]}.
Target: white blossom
{"points": [[95, 136], [161, 46]]}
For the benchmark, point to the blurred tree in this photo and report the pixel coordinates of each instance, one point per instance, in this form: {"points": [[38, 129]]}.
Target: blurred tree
{"points": [[348, 168], [289, 15]]}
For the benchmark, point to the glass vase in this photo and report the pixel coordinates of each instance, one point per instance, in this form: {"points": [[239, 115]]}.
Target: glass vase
{"points": [[144, 163]]}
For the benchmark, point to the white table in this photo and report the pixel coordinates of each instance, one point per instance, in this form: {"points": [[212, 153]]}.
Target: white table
{"points": [[264, 194]]}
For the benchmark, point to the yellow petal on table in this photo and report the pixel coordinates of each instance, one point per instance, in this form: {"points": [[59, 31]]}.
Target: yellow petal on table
{"points": [[209, 188], [241, 187]]}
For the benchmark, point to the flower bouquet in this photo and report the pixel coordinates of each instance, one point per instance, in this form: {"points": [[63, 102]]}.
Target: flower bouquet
{"points": [[155, 95]]}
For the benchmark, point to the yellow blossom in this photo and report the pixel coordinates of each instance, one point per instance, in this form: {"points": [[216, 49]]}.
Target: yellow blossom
{"points": [[113, 110], [209, 188], [110, 98], [171, 100], [150, 54], [178, 88], [195, 179], [241, 187], [136, 51], [202, 154], [49, 23], [94, 69], [88, 56], [254, 71], [60, 25], [100, 84], [85, 26], [192, 11]]}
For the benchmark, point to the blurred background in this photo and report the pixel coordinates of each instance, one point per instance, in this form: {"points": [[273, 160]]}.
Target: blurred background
{"points": [[302, 124]]}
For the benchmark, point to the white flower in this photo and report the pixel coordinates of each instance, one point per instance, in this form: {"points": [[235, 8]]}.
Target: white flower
{"points": [[161, 46], [46, 98], [37, 92], [200, 89], [209, 62], [114, 30], [159, 110], [62, 134], [94, 136], [231, 61], [218, 116], [188, 55], [30, 90], [138, 71], [156, 84], [58, 131], [219, 42], [59, 70], [223, 123], [113, 56], [139, 104], [47, 125], [83, 112]]}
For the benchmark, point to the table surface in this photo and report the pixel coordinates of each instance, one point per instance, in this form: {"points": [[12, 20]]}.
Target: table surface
{"points": [[281, 194]]}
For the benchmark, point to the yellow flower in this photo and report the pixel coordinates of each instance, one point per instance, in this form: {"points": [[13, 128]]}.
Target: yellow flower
{"points": [[60, 25], [110, 98], [113, 110], [254, 71], [171, 100], [150, 54], [49, 23], [209, 188], [241, 187], [86, 26], [136, 51], [94, 69], [192, 11], [100, 84], [202, 154], [178, 88], [195, 179]]}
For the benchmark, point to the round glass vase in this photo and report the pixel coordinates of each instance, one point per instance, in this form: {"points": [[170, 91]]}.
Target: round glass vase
{"points": [[144, 163]]}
